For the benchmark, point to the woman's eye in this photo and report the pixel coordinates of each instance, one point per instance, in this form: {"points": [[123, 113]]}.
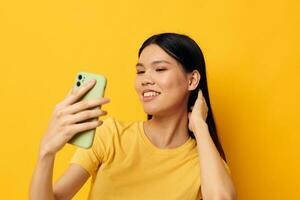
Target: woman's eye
{"points": [[140, 72]]}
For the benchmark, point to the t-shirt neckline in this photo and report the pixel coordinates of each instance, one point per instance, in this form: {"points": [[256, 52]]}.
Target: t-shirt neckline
{"points": [[156, 149]]}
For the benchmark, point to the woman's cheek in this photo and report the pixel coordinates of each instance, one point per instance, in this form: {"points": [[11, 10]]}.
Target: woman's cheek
{"points": [[171, 83]]}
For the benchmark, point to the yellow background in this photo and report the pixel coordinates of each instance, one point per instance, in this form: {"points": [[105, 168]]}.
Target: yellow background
{"points": [[252, 54]]}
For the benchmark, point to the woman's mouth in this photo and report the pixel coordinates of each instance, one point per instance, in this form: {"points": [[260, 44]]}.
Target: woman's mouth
{"points": [[149, 96]]}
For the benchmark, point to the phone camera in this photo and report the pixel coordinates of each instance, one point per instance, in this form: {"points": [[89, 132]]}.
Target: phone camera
{"points": [[78, 83], [80, 77]]}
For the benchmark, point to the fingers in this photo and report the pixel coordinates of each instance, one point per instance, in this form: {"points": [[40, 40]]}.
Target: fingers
{"points": [[85, 115], [70, 91], [74, 95], [200, 91], [201, 97], [83, 105], [76, 128]]}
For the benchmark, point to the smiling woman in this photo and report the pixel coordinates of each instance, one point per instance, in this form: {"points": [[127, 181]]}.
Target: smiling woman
{"points": [[183, 56], [175, 154]]}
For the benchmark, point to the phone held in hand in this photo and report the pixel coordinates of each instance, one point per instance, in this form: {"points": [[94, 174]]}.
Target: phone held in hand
{"points": [[85, 139]]}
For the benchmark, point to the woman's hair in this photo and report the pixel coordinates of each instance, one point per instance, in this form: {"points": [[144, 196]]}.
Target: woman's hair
{"points": [[186, 51]]}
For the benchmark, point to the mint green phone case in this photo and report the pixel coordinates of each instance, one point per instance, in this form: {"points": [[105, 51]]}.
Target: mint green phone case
{"points": [[85, 139]]}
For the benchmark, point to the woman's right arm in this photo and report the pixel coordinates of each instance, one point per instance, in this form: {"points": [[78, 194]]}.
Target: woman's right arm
{"points": [[41, 184], [63, 126]]}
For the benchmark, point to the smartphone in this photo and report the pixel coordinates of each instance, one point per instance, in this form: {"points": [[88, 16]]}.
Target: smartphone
{"points": [[85, 139]]}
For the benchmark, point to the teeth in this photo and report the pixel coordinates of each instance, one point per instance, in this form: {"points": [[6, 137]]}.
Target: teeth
{"points": [[147, 94]]}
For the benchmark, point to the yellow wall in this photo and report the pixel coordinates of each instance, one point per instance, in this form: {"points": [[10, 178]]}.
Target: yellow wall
{"points": [[252, 55]]}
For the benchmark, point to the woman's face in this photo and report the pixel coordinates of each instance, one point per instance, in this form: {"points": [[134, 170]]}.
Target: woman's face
{"points": [[158, 71]]}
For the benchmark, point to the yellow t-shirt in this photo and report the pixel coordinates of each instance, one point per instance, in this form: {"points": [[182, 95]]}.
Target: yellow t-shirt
{"points": [[124, 164]]}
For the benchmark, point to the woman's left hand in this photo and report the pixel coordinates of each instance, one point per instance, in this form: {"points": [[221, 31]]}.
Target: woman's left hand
{"points": [[199, 112]]}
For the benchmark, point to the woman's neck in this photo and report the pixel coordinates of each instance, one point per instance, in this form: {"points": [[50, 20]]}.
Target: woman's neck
{"points": [[167, 131]]}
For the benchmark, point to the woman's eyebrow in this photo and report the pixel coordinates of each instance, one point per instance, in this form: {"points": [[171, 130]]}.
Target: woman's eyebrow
{"points": [[154, 62]]}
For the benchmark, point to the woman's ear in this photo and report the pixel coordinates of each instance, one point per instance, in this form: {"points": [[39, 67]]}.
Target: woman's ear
{"points": [[194, 79]]}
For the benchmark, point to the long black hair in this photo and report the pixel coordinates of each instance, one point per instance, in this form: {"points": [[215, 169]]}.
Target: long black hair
{"points": [[187, 52]]}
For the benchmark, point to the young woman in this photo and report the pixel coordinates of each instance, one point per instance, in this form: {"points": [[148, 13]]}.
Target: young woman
{"points": [[175, 154]]}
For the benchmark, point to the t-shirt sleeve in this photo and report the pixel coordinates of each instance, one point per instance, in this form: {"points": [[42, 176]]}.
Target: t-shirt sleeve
{"points": [[90, 159]]}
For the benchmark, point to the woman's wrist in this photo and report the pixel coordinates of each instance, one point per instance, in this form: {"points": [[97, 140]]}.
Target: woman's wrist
{"points": [[45, 152]]}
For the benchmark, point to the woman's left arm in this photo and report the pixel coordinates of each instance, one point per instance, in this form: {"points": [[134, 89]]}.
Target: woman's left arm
{"points": [[216, 183]]}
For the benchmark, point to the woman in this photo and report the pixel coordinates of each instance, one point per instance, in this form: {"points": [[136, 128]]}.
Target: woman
{"points": [[169, 156]]}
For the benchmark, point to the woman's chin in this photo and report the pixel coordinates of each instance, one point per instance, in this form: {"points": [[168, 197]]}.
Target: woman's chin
{"points": [[151, 111], [155, 111]]}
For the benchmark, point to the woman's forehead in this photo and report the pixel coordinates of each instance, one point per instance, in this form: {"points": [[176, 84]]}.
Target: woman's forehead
{"points": [[155, 62], [153, 53]]}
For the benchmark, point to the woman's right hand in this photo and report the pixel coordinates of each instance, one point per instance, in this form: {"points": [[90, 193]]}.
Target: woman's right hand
{"points": [[66, 118]]}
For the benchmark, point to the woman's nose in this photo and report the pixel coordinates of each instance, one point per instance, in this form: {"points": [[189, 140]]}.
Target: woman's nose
{"points": [[147, 81], [147, 78]]}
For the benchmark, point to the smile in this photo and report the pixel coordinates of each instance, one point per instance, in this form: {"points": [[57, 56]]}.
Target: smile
{"points": [[149, 96]]}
